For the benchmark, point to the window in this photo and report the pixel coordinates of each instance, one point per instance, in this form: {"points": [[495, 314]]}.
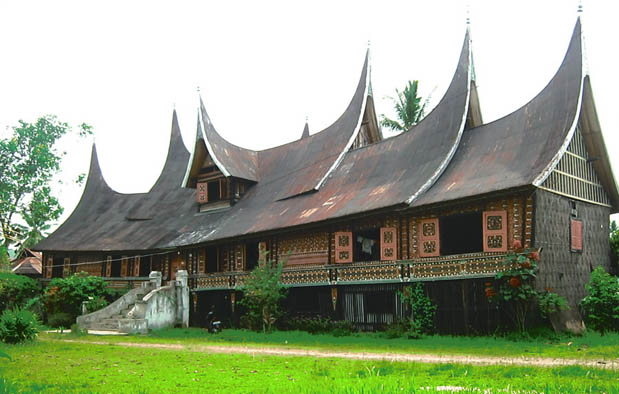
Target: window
{"points": [[495, 231], [429, 241], [343, 247], [213, 190], [366, 245], [575, 235], [461, 234]]}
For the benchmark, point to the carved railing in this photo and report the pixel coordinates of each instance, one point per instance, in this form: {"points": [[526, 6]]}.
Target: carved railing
{"points": [[430, 268]]}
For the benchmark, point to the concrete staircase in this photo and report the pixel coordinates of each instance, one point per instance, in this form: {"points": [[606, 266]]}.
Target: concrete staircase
{"points": [[121, 319], [149, 307]]}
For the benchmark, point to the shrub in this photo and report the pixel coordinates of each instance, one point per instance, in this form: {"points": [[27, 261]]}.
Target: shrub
{"points": [[95, 304], [601, 306], [550, 303], [60, 320], [422, 310], [18, 325], [262, 293], [17, 290], [67, 294]]}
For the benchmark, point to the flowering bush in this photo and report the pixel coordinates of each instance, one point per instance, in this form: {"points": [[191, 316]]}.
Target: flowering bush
{"points": [[515, 287]]}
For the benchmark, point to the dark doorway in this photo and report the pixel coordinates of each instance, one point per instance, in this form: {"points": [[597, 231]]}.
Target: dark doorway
{"points": [[367, 246], [252, 254], [211, 259], [461, 233], [145, 266], [115, 272], [58, 267]]}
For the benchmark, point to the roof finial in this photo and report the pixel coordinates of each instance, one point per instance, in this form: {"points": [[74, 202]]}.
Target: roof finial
{"points": [[306, 118], [468, 14], [580, 7]]}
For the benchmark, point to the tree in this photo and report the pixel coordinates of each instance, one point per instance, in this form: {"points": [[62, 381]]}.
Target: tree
{"points": [[262, 293], [614, 246], [29, 159], [409, 109]]}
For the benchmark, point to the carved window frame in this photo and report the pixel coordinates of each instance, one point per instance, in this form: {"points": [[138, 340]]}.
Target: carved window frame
{"points": [[491, 232]]}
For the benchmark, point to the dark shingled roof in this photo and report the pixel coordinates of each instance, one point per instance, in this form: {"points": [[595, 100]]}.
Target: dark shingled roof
{"points": [[318, 177], [516, 149]]}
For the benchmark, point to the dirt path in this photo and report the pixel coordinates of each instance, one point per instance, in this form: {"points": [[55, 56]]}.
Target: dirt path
{"points": [[399, 357]]}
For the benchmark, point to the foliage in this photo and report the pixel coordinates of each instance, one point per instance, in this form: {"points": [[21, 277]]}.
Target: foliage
{"points": [[421, 308], [18, 325], [317, 324], [515, 289], [29, 159], [550, 303], [601, 305], [67, 294], [262, 293], [409, 109], [614, 245], [17, 290], [60, 320]]}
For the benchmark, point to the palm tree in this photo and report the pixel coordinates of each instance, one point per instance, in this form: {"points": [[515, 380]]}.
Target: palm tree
{"points": [[409, 108]]}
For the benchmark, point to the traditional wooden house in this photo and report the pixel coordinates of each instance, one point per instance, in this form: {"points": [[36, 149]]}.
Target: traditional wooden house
{"points": [[356, 216]]}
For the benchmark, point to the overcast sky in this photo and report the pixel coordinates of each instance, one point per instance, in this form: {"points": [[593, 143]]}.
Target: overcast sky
{"points": [[263, 67]]}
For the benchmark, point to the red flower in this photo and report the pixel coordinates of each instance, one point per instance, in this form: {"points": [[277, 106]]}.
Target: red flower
{"points": [[517, 244], [515, 282], [534, 256], [526, 264], [490, 292]]}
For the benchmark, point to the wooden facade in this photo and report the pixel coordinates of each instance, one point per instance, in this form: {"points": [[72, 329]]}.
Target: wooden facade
{"points": [[355, 217]]}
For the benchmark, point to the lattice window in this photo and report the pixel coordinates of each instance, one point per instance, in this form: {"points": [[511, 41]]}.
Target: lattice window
{"points": [[575, 175], [429, 243], [343, 247], [495, 231], [388, 244]]}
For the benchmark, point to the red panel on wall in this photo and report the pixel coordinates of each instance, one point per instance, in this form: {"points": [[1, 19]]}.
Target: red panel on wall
{"points": [[388, 244], [495, 231], [429, 242], [343, 247], [576, 235], [202, 192]]}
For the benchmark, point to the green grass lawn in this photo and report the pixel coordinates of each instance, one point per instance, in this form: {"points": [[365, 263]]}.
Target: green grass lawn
{"points": [[589, 346], [62, 367]]}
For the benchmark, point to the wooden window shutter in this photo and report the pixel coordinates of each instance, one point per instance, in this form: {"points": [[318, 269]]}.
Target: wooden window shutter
{"points": [[108, 266], [343, 247], [429, 242], [202, 192], [388, 244], [66, 267], [136, 266], [262, 251], [50, 266], [576, 235], [123, 266], [495, 231]]}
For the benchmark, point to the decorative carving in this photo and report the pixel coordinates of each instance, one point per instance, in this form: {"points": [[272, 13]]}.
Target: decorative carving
{"points": [[388, 252], [429, 246], [344, 255], [388, 237], [429, 229], [343, 240], [494, 222], [495, 241]]}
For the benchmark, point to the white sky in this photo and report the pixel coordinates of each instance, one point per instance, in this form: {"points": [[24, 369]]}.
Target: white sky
{"points": [[263, 66]]}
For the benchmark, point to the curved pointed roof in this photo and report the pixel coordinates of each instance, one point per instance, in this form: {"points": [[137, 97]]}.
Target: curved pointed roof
{"points": [[306, 132], [107, 220], [174, 168], [522, 147], [380, 175]]}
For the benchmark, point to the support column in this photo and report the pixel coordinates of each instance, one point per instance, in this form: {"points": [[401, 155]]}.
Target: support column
{"points": [[182, 297]]}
